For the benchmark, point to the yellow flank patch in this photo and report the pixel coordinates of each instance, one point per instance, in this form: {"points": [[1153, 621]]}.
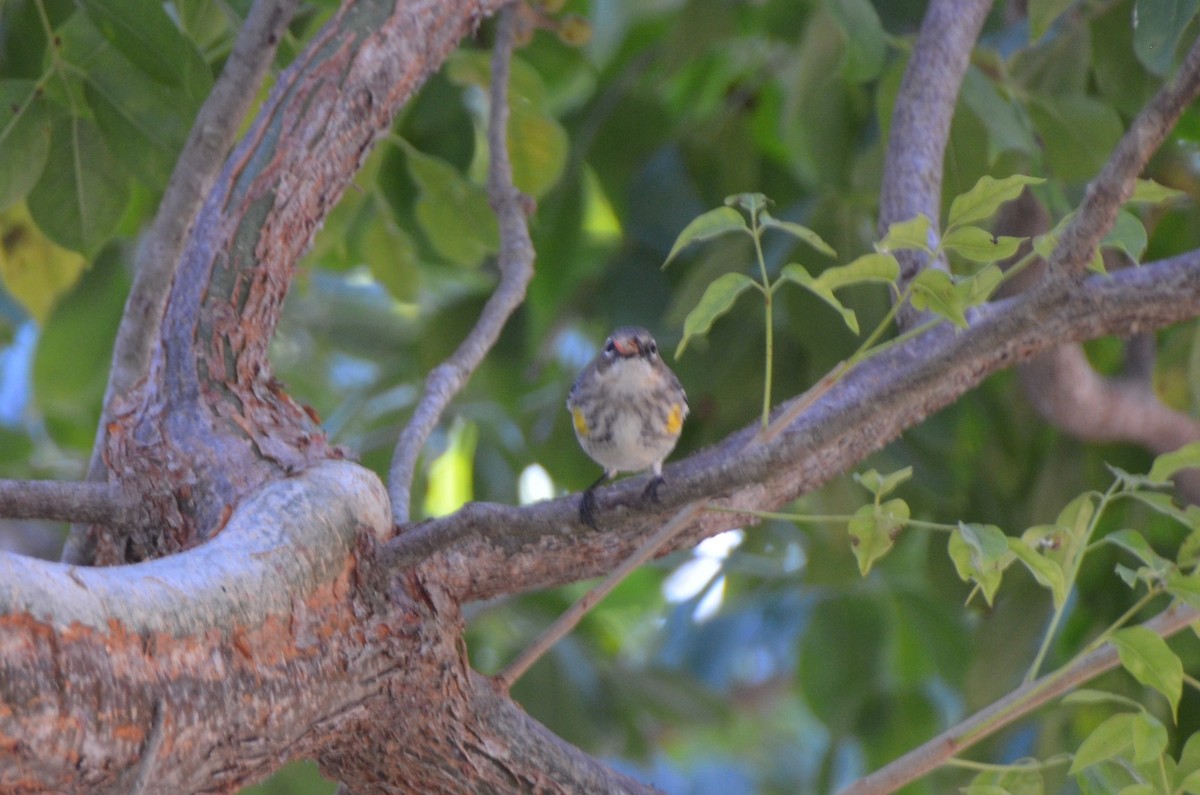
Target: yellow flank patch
{"points": [[675, 419], [581, 426]]}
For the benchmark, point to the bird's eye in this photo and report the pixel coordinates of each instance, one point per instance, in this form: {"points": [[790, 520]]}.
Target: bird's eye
{"points": [[610, 346], [652, 348]]}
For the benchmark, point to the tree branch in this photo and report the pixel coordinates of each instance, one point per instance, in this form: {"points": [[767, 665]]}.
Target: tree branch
{"points": [[483, 549], [1068, 393], [210, 424], [65, 501], [515, 261], [1016, 704], [200, 161], [1113, 186], [920, 126]]}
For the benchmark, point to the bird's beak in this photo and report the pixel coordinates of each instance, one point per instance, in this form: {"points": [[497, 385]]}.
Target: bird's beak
{"points": [[626, 347]]}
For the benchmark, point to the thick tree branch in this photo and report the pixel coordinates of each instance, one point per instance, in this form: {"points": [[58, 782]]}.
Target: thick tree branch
{"points": [[1068, 393], [210, 424], [515, 261], [65, 501], [281, 543], [1013, 706], [484, 549], [210, 139], [920, 126], [203, 646]]}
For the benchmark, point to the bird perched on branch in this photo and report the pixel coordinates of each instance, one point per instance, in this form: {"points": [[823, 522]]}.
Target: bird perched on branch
{"points": [[628, 410]]}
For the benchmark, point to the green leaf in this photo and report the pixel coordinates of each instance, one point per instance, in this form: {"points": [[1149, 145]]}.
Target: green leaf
{"points": [[537, 142], [1111, 739], [871, 267], [934, 290], [1147, 191], [1018, 779], [1078, 133], [910, 234], [873, 530], [453, 212], [1076, 518], [979, 245], [1166, 465], [1165, 505], [1089, 696], [982, 200], [797, 274], [865, 40], [474, 68], [1158, 26], [1187, 772], [538, 146], [797, 231], [1007, 128], [1189, 550], [1042, 13], [145, 122], [1047, 572], [883, 485], [1149, 738], [979, 286], [1150, 660], [1127, 235], [1134, 542], [980, 554], [24, 138], [1185, 587], [716, 301], [867, 268], [753, 203], [82, 192], [706, 226], [145, 35]]}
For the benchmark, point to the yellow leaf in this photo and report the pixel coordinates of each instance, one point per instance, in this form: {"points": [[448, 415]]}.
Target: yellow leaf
{"points": [[35, 271]]}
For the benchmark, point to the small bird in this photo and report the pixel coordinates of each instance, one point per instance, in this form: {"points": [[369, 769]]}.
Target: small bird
{"points": [[628, 410]]}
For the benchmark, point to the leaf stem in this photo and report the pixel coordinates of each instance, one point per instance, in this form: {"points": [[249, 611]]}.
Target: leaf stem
{"points": [[756, 231], [1071, 575]]}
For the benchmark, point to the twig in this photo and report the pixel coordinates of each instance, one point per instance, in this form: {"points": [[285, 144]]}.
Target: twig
{"points": [[145, 768], [97, 503], [1018, 703], [1113, 186], [515, 262], [196, 171], [575, 613]]}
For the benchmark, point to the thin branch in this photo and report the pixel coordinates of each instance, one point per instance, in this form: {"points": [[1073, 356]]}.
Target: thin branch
{"points": [[920, 127], [1016, 704], [1113, 186], [196, 171], [63, 501], [571, 617], [515, 262]]}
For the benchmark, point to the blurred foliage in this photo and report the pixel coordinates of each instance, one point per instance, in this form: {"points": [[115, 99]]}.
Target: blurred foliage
{"points": [[763, 664]]}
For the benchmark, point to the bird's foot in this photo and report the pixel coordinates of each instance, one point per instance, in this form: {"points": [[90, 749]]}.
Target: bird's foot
{"points": [[587, 509], [651, 490]]}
